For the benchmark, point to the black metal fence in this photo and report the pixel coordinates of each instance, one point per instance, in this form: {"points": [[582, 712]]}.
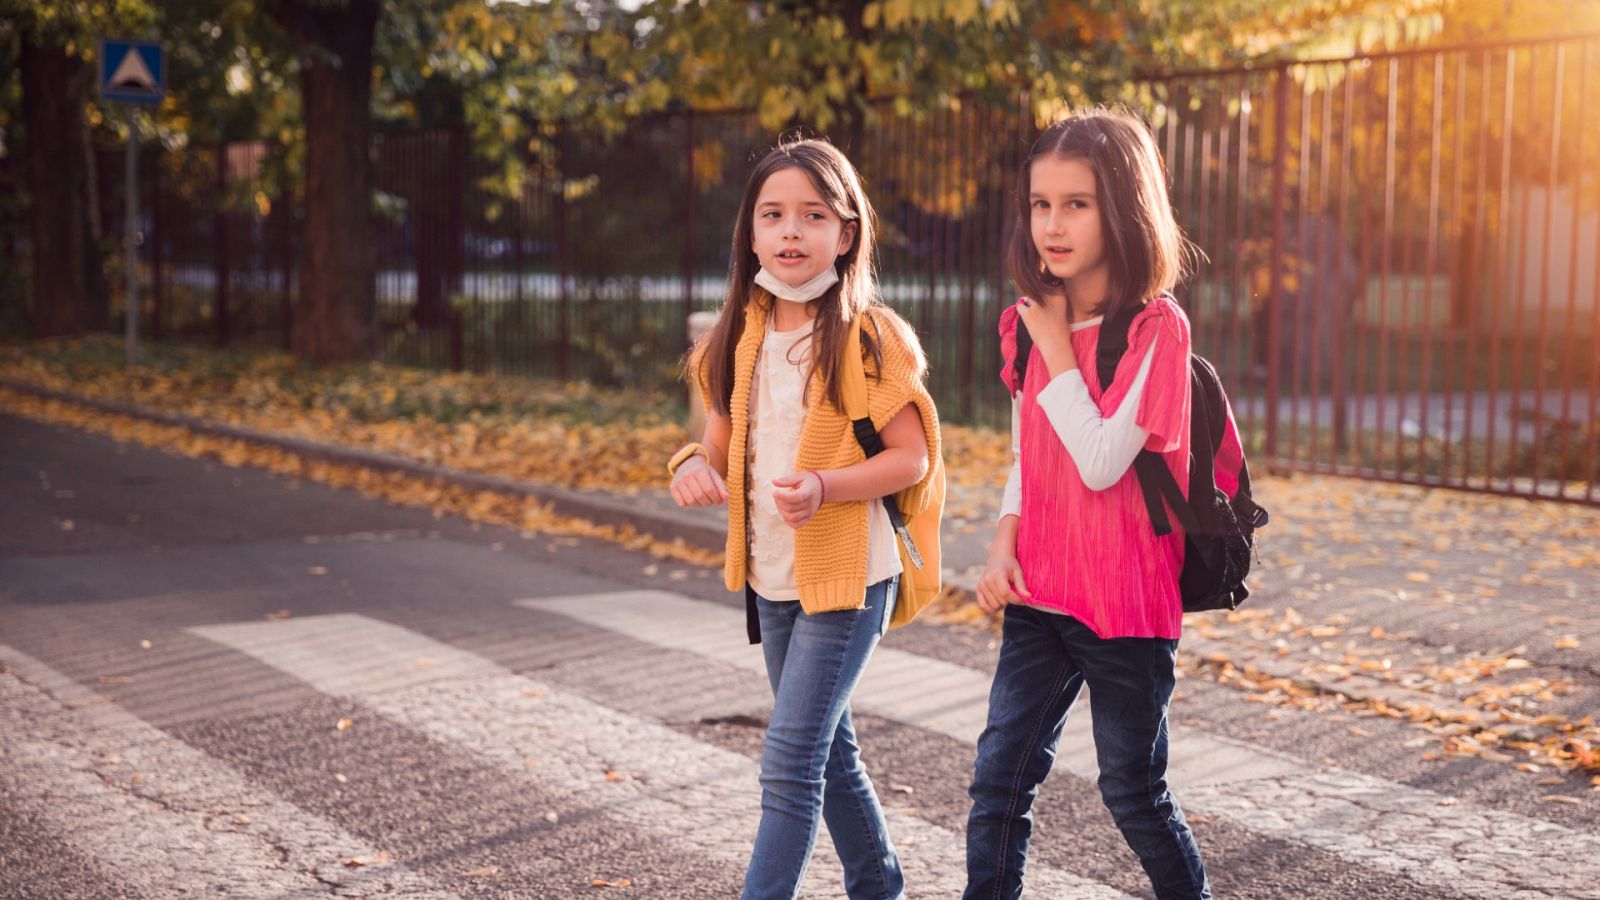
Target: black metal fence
{"points": [[1400, 277]]}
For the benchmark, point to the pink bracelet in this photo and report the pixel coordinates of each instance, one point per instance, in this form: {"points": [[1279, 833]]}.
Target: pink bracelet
{"points": [[822, 485]]}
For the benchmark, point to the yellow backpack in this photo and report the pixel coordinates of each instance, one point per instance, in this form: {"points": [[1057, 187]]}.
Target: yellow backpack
{"points": [[919, 533]]}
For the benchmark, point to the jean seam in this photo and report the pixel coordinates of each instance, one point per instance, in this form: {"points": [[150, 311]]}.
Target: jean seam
{"points": [[866, 820], [1033, 740], [861, 806], [872, 838], [1150, 791]]}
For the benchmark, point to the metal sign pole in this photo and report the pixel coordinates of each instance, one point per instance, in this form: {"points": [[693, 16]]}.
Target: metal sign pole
{"points": [[132, 72], [130, 239]]}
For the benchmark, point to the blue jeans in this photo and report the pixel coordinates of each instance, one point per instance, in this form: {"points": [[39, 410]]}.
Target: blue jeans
{"points": [[1045, 660], [811, 765]]}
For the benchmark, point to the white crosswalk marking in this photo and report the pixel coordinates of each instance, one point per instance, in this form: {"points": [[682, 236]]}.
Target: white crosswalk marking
{"points": [[151, 812], [701, 799], [1366, 820]]}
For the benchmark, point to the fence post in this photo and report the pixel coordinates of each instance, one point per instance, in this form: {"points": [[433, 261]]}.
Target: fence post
{"points": [[564, 312], [455, 232], [688, 226], [286, 245], [219, 234], [1280, 166], [158, 284]]}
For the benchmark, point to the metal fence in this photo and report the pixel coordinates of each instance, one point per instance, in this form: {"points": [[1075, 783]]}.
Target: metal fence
{"points": [[1400, 276]]}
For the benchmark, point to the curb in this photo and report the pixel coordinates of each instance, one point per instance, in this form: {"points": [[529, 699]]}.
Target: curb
{"points": [[597, 508]]}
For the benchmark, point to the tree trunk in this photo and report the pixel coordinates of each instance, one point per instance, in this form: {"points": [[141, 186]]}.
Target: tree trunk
{"points": [[336, 314], [69, 285]]}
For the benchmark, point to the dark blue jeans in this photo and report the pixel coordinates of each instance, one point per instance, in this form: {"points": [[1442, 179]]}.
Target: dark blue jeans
{"points": [[1045, 660], [811, 764]]}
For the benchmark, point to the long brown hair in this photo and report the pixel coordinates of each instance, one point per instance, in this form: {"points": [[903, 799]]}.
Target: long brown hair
{"points": [[839, 185], [1146, 252]]}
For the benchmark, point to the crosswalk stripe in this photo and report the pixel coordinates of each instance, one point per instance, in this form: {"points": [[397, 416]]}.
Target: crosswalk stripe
{"points": [[666, 786], [1426, 837], [152, 812]]}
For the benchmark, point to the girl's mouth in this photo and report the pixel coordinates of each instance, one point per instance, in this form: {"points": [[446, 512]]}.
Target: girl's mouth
{"points": [[790, 256], [1057, 252]]}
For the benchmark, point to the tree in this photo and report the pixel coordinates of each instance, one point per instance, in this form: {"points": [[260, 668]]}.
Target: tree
{"points": [[336, 311], [68, 293], [69, 286]]}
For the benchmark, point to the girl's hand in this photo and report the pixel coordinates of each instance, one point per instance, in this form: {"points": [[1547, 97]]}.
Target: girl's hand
{"points": [[1051, 333], [698, 484], [799, 496], [1001, 584]]}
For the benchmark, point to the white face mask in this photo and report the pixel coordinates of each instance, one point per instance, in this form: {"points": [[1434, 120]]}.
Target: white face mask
{"points": [[803, 293]]}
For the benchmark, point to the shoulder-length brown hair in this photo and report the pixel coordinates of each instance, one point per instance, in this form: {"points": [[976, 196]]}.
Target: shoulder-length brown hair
{"points": [[839, 185], [1145, 250]]}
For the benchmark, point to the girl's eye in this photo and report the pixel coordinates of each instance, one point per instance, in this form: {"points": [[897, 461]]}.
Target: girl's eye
{"points": [[815, 216], [770, 214], [1080, 204], [1041, 204]]}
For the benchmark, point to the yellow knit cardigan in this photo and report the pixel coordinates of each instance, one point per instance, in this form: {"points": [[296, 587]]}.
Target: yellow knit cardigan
{"points": [[830, 551]]}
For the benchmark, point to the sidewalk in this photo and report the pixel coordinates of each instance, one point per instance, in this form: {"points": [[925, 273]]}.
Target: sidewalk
{"points": [[1318, 521]]}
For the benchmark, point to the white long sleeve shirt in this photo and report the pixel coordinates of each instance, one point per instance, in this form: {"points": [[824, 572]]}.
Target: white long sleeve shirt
{"points": [[1102, 447]]}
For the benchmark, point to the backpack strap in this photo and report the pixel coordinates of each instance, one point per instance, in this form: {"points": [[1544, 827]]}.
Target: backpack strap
{"points": [[1155, 479], [853, 384], [1019, 362]]}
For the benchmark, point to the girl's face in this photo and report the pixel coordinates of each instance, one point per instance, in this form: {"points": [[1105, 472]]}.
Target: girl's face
{"points": [[796, 235], [1066, 225]]}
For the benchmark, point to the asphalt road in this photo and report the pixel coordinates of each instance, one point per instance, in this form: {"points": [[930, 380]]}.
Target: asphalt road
{"points": [[219, 682]]}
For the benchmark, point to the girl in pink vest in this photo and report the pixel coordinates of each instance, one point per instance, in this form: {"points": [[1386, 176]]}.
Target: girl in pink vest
{"points": [[1089, 592]]}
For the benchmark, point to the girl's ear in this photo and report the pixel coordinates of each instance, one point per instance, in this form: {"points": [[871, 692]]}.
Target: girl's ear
{"points": [[847, 238]]}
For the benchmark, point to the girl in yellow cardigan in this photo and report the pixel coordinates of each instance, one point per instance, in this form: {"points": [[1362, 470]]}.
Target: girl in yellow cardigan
{"points": [[809, 541]]}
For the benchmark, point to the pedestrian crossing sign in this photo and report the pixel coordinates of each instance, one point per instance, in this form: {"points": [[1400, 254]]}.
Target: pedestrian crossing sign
{"points": [[132, 71]]}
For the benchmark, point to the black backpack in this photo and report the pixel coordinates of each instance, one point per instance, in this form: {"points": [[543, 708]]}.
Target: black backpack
{"points": [[1218, 530]]}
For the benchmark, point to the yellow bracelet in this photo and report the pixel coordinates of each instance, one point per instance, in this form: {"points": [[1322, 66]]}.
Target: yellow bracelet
{"points": [[688, 452]]}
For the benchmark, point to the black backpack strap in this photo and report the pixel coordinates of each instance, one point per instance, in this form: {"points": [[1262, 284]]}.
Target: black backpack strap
{"points": [[1148, 486], [752, 618], [872, 444], [1019, 363], [1155, 479], [856, 406], [1113, 343]]}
